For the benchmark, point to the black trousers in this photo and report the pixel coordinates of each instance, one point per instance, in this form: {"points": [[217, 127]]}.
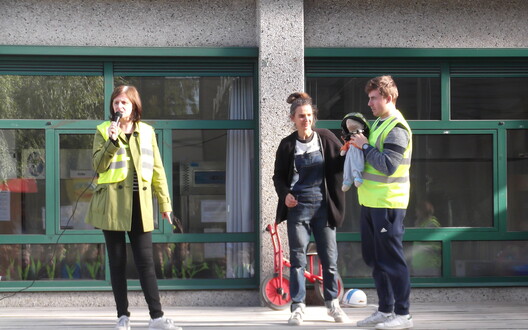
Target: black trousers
{"points": [[382, 248], [141, 244]]}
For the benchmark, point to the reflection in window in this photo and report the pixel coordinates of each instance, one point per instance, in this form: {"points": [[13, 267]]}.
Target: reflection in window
{"points": [[207, 98], [200, 261], [350, 261], [22, 182], [451, 181], [352, 212], [76, 178], [25, 262], [335, 97], [51, 97], [213, 172], [517, 180], [213, 180], [489, 258], [448, 173], [424, 259], [489, 98]]}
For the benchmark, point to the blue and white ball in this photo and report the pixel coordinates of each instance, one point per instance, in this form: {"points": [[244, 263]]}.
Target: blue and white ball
{"points": [[354, 298]]}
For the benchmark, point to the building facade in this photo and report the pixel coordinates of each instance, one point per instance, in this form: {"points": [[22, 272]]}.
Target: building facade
{"points": [[214, 77]]}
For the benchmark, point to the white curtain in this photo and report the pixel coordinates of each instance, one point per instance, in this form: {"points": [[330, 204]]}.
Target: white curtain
{"points": [[239, 179]]}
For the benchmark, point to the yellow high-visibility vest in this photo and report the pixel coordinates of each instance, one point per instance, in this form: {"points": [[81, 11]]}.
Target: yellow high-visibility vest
{"points": [[379, 190], [118, 169]]}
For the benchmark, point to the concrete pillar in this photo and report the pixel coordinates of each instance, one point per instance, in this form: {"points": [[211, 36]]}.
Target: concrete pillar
{"points": [[281, 72]]}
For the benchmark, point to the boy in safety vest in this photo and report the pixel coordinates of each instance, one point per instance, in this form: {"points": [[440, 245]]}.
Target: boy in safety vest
{"points": [[384, 196]]}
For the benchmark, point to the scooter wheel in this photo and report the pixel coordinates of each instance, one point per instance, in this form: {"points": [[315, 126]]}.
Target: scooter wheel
{"points": [[276, 293]]}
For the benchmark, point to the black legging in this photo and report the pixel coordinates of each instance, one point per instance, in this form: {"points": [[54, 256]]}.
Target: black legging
{"points": [[141, 243]]}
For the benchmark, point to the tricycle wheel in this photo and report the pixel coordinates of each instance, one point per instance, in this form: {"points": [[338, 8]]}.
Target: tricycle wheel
{"points": [[318, 286], [276, 293]]}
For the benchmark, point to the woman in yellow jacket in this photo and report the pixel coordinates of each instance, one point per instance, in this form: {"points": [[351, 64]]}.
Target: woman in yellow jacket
{"points": [[130, 172]]}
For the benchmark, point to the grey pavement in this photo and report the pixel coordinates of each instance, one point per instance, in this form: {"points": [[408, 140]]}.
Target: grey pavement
{"points": [[426, 316]]}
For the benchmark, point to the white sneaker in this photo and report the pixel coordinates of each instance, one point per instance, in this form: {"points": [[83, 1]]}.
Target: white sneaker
{"points": [[374, 319], [123, 323], [296, 317], [162, 324], [334, 310], [397, 322]]}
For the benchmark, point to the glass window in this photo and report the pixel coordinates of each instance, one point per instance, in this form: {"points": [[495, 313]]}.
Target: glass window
{"points": [[517, 180], [451, 181], [352, 212], [350, 261], [419, 98], [424, 259], [22, 185], [444, 181], [22, 262], [213, 173], [489, 258], [76, 178], [489, 98], [200, 261], [206, 98], [51, 97]]}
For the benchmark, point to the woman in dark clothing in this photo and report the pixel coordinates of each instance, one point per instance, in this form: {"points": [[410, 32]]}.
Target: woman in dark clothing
{"points": [[308, 177]]}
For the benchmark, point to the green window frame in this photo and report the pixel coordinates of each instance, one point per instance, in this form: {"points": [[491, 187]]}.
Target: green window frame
{"points": [[444, 64], [109, 63]]}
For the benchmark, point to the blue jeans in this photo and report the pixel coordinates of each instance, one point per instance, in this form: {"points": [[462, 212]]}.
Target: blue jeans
{"points": [[307, 217]]}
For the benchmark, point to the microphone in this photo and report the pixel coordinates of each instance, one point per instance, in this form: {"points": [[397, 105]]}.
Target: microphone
{"points": [[117, 116]]}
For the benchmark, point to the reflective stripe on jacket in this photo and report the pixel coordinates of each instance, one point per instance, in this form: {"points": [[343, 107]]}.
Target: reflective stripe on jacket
{"points": [[379, 190], [118, 170]]}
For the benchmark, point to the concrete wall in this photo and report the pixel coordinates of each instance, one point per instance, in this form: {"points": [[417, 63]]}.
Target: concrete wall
{"points": [[138, 23], [234, 23], [416, 23], [281, 72], [251, 298]]}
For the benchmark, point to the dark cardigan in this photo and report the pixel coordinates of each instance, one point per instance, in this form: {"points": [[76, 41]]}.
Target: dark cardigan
{"points": [[333, 167]]}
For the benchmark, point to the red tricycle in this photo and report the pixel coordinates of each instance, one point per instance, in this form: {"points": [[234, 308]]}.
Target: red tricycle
{"points": [[275, 289]]}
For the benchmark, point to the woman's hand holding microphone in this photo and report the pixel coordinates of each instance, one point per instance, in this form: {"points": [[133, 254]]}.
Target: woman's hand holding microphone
{"points": [[113, 130]]}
